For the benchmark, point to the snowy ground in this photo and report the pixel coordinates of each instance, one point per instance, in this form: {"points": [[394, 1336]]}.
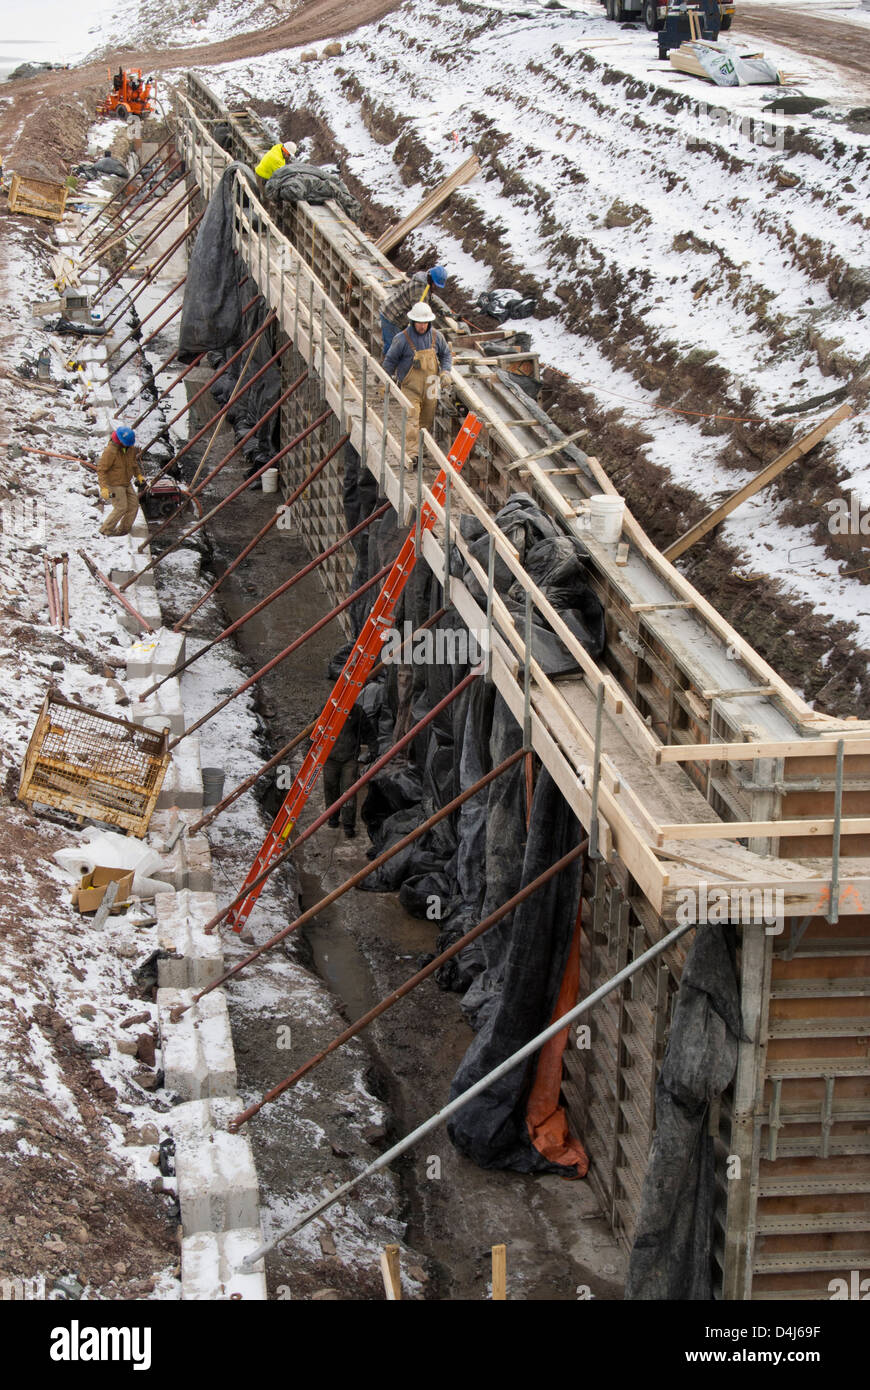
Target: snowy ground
{"points": [[730, 249], [73, 1079]]}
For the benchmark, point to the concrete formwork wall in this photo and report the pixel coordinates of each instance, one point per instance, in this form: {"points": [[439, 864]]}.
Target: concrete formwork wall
{"points": [[798, 1209]]}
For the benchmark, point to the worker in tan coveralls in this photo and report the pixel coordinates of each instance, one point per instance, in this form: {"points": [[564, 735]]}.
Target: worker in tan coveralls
{"points": [[419, 360], [117, 467]]}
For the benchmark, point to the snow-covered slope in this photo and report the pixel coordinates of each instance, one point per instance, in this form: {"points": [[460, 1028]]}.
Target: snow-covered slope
{"points": [[690, 252]]}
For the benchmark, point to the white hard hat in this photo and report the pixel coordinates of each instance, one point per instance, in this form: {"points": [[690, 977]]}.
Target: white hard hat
{"points": [[420, 313]]}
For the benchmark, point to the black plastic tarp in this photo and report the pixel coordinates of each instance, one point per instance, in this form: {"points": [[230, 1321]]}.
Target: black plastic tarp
{"points": [[672, 1253], [527, 953], [211, 317], [297, 182]]}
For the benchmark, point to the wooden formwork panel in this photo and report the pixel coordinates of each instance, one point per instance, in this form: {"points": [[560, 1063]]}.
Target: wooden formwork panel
{"points": [[609, 1087]]}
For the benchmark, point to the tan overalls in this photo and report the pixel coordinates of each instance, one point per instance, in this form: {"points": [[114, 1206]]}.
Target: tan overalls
{"points": [[421, 388]]}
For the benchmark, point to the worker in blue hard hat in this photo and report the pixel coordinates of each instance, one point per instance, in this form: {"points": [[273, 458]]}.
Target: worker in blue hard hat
{"points": [[398, 305], [118, 465]]}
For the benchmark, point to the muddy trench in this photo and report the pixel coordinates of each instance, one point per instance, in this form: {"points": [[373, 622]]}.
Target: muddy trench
{"points": [[362, 948]]}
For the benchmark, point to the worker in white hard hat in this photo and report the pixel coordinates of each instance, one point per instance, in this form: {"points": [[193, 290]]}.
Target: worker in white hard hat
{"points": [[419, 360], [397, 306]]}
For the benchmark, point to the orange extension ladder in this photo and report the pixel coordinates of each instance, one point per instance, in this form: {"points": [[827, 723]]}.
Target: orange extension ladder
{"points": [[365, 652]]}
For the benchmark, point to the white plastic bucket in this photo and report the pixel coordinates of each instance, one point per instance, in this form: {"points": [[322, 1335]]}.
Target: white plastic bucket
{"points": [[270, 480], [605, 518]]}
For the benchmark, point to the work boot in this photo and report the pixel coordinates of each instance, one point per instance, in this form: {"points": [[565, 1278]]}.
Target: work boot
{"points": [[333, 822], [349, 832]]}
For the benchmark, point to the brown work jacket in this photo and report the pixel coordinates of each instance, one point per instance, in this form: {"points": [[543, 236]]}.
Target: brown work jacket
{"points": [[117, 465]]}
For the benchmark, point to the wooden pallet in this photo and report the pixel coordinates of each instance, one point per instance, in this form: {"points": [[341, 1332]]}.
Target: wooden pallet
{"points": [[37, 197]]}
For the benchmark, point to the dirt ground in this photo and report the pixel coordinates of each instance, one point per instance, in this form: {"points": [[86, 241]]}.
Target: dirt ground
{"points": [[42, 118], [364, 947], [842, 43]]}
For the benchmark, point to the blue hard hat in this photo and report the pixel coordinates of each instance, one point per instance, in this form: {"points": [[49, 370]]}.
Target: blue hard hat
{"points": [[125, 436], [438, 276]]}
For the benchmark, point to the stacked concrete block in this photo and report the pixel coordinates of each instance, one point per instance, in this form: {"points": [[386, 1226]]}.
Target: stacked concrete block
{"points": [[217, 1180], [211, 1266], [156, 654], [187, 865], [182, 785], [142, 595], [194, 960], [162, 710], [198, 1057]]}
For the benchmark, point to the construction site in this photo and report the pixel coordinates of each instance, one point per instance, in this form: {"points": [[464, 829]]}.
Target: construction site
{"points": [[440, 811]]}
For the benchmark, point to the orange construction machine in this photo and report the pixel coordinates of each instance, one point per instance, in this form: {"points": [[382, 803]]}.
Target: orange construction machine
{"points": [[130, 96]]}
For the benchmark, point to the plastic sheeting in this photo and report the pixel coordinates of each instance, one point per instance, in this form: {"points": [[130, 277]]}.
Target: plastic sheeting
{"points": [[471, 863], [296, 182], [107, 164], [211, 317], [527, 961], [506, 304], [672, 1254], [251, 406]]}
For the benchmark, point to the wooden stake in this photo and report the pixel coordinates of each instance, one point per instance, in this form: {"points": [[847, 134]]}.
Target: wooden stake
{"points": [[767, 474], [393, 235], [390, 1273], [499, 1273]]}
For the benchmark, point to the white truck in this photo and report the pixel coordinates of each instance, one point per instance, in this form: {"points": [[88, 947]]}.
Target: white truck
{"points": [[654, 14]]}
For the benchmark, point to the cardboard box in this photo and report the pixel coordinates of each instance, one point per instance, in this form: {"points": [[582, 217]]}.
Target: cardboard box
{"points": [[91, 891]]}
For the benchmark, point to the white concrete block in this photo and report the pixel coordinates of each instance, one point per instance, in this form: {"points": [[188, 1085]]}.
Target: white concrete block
{"points": [[157, 653], [187, 760], [211, 1266], [195, 960], [162, 709], [217, 1180], [168, 795], [198, 1057]]}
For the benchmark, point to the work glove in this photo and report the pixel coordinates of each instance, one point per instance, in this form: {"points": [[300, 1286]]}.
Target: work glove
{"points": [[140, 478], [446, 381], [104, 493]]}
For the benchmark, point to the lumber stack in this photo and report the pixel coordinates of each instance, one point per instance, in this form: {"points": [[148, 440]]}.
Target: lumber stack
{"points": [[685, 59]]}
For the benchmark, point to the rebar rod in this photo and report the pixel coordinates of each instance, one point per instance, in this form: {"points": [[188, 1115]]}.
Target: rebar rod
{"points": [[122, 228], [150, 273], [414, 980], [152, 236], [357, 878], [195, 491], [282, 589], [150, 179], [138, 174], [282, 656], [248, 782], [117, 218], [140, 347], [352, 791], [263, 531], [206, 386], [527, 1050], [151, 312], [176, 381]]}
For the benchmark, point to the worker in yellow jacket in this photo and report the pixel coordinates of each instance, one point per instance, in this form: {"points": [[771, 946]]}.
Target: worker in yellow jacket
{"points": [[274, 159]]}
